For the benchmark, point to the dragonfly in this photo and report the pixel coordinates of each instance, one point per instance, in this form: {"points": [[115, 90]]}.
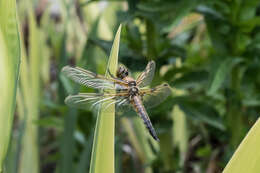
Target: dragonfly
{"points": [[128, 91]]}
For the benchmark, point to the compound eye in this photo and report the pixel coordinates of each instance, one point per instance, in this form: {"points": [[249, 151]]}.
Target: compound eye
{"points": [[121, 69]]}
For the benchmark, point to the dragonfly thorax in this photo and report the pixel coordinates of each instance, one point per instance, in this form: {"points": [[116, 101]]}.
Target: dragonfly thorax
{"points": [[133, 91], [132, 83]]}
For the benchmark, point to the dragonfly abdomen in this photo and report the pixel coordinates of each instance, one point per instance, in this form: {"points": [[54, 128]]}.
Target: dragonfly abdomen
{"points": [[143, 114]]}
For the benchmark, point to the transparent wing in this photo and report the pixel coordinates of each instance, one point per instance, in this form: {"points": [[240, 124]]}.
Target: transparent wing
{"points": [[91, 79], [146, 77], [124, 106], [154, 96], [93, 100]]}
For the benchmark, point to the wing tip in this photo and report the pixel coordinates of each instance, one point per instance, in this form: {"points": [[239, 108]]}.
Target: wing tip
{"points": [[152, 62], [66, 99], [166, 85], [65, 68]]}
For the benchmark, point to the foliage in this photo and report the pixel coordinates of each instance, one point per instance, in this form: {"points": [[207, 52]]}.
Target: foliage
{"points": [[102, 158], [247, 149], [28, 96], [207, 50], [9, 68]]}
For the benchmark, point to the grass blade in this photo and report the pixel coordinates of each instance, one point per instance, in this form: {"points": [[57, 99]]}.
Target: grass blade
{"points": [[102, 158], [30, 89], [9, 69], [247, 156], [68, 143], [180, 132]]}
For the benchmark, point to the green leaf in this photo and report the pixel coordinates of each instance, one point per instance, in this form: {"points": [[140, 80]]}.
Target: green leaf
{"points": [[190, 79], [30, 90], [9, 69], [200, 111], [247, 156], [68, 142], [221, 73], [180, 131], [102, 158]]}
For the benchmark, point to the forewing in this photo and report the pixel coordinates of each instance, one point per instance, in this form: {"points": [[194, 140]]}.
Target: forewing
{"points": [[154, 96], [90, 79], [146, 77]]}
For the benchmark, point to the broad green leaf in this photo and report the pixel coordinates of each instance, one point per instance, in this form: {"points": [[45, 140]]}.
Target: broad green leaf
{"points": [[190, 79], [221, 73], [217, 38], [247, 156], [102, 158], [248, 10], [220, 76], [9, 69], [199, 110]]}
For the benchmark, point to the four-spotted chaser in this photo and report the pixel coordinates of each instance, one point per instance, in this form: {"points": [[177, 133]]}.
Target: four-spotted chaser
{"points": [[127, 91]]}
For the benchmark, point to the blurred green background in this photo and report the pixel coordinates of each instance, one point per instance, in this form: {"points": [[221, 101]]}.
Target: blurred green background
{"points": [[207, 50]]}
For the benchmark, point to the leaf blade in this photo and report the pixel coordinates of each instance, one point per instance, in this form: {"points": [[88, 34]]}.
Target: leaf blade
{"points": [[102, 158], [9, 69], [249, 148]]}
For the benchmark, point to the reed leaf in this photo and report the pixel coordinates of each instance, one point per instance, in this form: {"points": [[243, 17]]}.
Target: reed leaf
{"points": [[102, 158], [9, 69], [247, 156], [30, 85]]}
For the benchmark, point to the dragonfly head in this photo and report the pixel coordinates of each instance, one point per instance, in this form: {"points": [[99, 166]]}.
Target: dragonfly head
{"points": [[122, 72]]}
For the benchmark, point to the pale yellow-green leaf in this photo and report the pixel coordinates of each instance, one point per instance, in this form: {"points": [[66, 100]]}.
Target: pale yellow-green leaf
{"points": [[29, 88], [102, 158], [180, 131], [109, 14], [246, 158], [91, 13], [9, 69]]}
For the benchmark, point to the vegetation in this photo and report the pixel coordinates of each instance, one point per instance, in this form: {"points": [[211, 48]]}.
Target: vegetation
{"points": [[207, 50], [9, 69]]}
